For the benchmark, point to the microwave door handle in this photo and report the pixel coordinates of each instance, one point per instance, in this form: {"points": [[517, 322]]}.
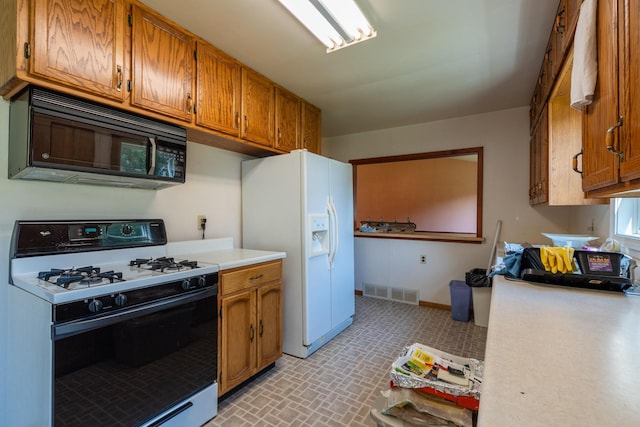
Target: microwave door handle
{"points": [[152, 166]]}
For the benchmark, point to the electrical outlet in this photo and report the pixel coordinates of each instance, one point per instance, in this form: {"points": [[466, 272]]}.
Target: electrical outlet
{"points": [[423, 259], [201, 219]]}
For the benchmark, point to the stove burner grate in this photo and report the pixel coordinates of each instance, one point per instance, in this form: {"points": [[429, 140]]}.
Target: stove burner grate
{"points": [[88, 275], [163, 263]]}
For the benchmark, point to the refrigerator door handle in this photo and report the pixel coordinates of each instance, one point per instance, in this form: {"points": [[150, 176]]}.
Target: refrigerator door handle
{"points": [[333, 224]]}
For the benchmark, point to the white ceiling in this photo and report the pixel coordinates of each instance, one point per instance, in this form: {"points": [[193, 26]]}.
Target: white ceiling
{"points": [[431, 60]]}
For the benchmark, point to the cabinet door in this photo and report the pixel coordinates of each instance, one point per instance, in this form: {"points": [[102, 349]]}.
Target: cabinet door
{"points": [[163, 57], [559, 37], [288, 120], [311, 131], [81, 44], [600, 167], [218, 83], [630, 89], [269, 324], [238, 332], [539, 172], [257, 108], [573, 11]]}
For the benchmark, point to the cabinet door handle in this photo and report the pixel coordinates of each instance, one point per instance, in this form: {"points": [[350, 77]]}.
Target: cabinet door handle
{"points": [[252, 333], [261, 328], [246, 123], [237, 120], [610, 140], [189, 103], [574, 161], [259, 276], [559, 24], [279, 135], [119, 78]]}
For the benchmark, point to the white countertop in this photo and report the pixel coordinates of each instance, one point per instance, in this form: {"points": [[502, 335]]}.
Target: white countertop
{"points": [[221, 252], [559, 356]]}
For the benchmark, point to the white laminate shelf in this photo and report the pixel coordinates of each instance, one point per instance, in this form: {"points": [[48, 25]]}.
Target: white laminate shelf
{"points": [[561, 356]]}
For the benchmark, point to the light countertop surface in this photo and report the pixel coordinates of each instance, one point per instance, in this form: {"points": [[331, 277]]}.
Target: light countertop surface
{"points": [[560, 356], [221, 252]]}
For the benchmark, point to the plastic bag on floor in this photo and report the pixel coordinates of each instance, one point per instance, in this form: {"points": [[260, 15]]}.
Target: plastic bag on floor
{"points": [[423, 410]]}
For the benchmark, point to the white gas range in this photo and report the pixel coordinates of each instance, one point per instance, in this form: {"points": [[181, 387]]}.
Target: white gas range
{"points": [[70, 277], [110, 300]]}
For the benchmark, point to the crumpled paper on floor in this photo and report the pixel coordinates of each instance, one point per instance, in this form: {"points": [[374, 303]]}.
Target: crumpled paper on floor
{"points": [[473, 371], [423, 410]]}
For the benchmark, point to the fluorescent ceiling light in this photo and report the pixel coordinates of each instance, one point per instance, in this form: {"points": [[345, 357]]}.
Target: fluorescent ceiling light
{"points": [[336, 23]]}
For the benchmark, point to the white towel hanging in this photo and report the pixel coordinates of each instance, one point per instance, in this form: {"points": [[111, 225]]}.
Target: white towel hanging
{"points": [[585, 62]]}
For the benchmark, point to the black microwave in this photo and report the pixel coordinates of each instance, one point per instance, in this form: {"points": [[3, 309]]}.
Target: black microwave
{"points": [[56, 137]]}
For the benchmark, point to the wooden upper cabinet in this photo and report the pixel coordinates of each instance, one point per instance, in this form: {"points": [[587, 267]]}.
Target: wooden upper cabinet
{"points": [[558, 38], [600, 167], [123, 54], [311, 127], [288, 120], [629, 132], [218, 89], [80, 44], [565, 145], [257, 108], [573, 11], [163, 64], [539, 161]]}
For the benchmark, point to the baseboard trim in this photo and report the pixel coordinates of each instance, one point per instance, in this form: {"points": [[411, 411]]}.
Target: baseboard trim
{"points": [[434, 305], [422, 303]]}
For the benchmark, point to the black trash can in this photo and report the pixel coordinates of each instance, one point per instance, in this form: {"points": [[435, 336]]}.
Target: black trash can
{"points": [[461, 300]]}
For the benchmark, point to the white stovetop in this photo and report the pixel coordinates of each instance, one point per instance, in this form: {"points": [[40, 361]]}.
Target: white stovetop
{"points": [[559, 356], [212, 255], [24, 273]]}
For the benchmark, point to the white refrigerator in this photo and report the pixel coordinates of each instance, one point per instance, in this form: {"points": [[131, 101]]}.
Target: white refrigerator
{"points": [[302, 203]]}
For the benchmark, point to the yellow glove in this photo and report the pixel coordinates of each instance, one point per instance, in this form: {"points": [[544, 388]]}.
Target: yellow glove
{"points": [[556, 259]]}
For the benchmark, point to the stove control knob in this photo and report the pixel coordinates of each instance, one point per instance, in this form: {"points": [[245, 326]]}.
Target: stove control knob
{"points": [[127, 229], [95, 306], [202, 281], [186, 284], [120, 300]]}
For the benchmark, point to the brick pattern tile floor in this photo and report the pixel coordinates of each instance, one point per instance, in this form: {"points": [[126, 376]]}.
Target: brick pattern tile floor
{"points": [[337, 385]]}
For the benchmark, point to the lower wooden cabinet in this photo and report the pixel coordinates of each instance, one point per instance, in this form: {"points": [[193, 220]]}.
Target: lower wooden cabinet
{"points": [[250, 326]]}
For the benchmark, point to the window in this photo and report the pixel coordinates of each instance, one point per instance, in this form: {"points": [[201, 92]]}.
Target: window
{"points": [[440, 192], [627, 218]]}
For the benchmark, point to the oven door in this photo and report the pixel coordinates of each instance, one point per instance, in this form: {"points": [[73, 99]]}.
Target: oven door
{"points": [[143, 366]]}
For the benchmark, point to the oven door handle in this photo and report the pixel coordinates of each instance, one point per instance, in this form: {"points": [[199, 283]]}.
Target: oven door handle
{"points": [[77, 327]]}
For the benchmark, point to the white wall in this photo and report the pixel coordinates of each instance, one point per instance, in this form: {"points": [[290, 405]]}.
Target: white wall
{"points": [[505, 138], [212, 189]]}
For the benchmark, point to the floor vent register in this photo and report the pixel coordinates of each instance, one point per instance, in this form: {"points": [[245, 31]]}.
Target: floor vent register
{"points": [[409, 296]]}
